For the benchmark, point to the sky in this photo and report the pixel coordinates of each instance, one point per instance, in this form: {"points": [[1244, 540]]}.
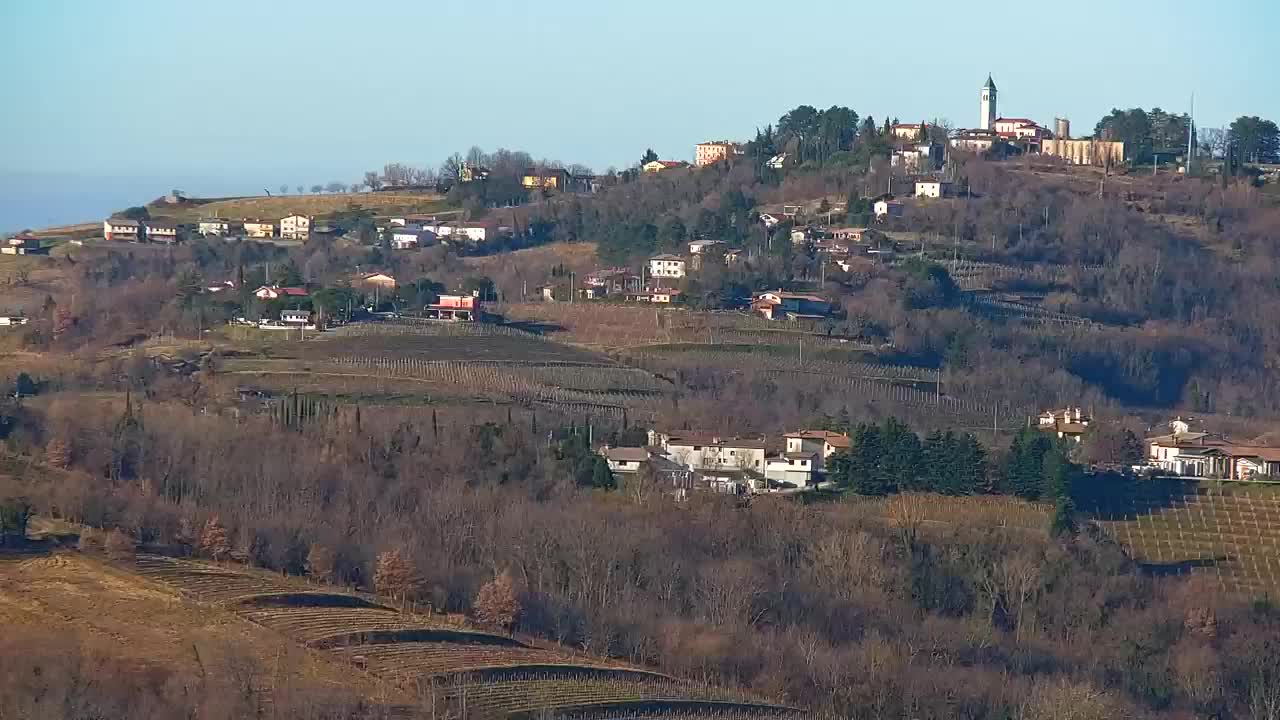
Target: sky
{"points": [[105, 104]]}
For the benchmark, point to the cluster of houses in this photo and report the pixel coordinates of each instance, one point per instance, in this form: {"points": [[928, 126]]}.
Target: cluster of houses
{"points": [[688, 461], [1186, 452], [24, 245], [290, 227], [409, 232], [297, 312]]}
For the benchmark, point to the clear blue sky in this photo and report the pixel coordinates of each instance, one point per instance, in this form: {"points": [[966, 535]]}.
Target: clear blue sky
{"points": [[236, 95]]}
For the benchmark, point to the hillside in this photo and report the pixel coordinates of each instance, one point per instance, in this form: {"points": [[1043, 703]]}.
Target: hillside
{"points": [[318, 205]]}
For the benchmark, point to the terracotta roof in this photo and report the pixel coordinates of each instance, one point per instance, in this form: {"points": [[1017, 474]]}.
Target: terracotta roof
{"points": [[667, 256], [626, 454]]}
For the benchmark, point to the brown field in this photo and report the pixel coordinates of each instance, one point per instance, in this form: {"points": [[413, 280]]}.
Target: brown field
{"points": [[317, 205], [141, 621]]}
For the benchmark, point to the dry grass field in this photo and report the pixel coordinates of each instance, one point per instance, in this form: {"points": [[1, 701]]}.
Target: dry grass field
{"points": [[316, 205]]}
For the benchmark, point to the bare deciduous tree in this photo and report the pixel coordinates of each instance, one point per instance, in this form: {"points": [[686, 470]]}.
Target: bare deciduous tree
{"points": [[320, 563], [214, 541], [393, 575], [496, 603]]}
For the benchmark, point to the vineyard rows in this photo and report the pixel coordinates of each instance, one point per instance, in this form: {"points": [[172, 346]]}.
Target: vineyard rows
{"points": [[440, 659], [1231, 536], [543, 691], [408, 326], [484, 675], [774, 361], [1026, 312]]}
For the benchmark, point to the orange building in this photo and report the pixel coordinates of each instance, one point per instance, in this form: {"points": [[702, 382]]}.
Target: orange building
{"points": [[712, 152]]}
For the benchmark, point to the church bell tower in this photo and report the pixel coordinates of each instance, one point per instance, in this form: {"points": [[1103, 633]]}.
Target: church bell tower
{"points": [[987, 120]]}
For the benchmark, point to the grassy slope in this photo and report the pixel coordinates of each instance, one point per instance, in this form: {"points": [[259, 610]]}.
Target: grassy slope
{"points": [[317, 205]]}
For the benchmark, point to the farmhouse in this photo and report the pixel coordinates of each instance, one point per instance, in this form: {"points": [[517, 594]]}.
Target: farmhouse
{"points": [[772, 220], [259, 228], [472, 231], [1067, 424], [974, 140], [777, 304], [624, 459], [666, 266], [822, 443], [697, 246], [295, 227], [118, 228]]}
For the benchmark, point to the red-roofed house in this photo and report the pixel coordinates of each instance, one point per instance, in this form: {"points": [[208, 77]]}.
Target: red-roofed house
{"points": [[275, 292]]}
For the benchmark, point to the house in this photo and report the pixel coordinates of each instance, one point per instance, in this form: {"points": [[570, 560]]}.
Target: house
{"points": [[776, 304], [118, 228], [887, 209], [1067, 424], [799, 469], [466, 231], [626, 460], [12, 320], [772, 220], [223, 286], [254, 228], [697, 246], [411, 237], [545, 179], [733, 257], [848, 234], [820, 443], [275, 292], [24, 245], [376, 280], [295, 227], [666, 266], [777, 162], [925, 157], [454, 308], [161, 231], [933, 188], [832, 246], [703, 451], [471, 173], [657, 166], [1019, 129], [610, 280], [712, 152], [214, 226], [661, 296], [295, 317], [979, 141], [1182, 451], [906, 131]]}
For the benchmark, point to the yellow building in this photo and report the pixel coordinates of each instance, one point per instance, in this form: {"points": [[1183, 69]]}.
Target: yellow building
{"points": [[1084, 152], [547, 179], [712, 152]]}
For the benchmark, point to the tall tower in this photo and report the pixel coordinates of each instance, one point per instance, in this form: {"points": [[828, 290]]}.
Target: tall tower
{"points": [[987, 120]]}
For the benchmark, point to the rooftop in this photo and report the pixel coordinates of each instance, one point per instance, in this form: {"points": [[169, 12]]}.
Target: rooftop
{"points": [[626, 454]]}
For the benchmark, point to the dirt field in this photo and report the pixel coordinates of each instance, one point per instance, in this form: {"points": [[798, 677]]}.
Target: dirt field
{"points": [[142, 621]]}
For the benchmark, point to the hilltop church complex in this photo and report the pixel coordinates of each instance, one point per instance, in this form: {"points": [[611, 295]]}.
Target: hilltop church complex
{"points": [[1031, 137]]}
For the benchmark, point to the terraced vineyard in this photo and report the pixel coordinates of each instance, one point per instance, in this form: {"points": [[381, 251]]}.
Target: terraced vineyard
{"points": [[457, 671], [1229, 533]]}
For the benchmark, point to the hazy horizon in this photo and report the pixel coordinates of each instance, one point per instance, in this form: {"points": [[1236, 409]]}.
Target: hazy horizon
{"points": [[146, 96]]}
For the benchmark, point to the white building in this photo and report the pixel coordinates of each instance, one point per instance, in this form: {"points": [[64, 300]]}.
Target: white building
{"points": [[627, 460], [887, 208], [798, 469], [666, 266], [161, 231], [820, 443], [295, 227], [259, 228], [214, 226], [772, 220], [409, 237], [987, 118], [710, 452], [117, 228], [933, 189], [697, 246]]}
